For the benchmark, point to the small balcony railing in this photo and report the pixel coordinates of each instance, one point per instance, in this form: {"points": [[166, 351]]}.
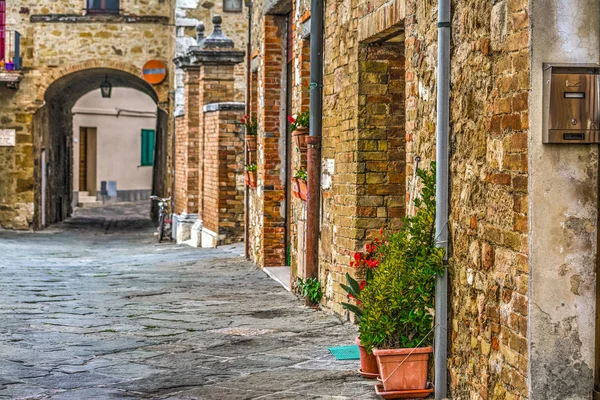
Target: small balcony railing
{"points": [[10, 50]]}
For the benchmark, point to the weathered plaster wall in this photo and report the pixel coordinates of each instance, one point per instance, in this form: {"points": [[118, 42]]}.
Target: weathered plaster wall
{"points": [[119, 139], [563, 216]]}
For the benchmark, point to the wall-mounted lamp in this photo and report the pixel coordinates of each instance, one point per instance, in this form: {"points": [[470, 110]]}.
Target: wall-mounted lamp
{"points": [[106, 88]]}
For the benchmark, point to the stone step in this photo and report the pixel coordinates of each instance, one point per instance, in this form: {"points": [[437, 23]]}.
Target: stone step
{"points": [[87, 199], [89, 204]]}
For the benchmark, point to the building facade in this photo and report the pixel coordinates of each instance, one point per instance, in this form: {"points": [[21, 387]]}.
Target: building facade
{"points": [[68, 49], [523, 214]]}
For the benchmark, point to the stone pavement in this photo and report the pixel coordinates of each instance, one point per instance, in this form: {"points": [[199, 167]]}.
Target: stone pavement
{"points": [[95, 309]]}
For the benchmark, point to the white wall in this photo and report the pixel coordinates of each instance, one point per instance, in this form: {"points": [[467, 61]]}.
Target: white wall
{"points": [[119, 122], [563, 213]]}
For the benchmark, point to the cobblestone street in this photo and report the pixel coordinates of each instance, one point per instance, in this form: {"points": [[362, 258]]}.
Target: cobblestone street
{"points": [[95, 309]]}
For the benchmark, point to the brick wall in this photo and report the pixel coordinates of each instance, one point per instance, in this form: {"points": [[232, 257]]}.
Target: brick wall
{"points": [[223, 179], [267, 221], [187, 147]]}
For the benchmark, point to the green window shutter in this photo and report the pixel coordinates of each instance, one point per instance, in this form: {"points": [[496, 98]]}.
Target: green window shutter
{"points": [[147, 147]]}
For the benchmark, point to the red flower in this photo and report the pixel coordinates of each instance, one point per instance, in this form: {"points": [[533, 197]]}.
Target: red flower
{"points": [[381, 231], [350, 296], [357, 256], [351, 263], [358, 302], [363, 284], [291, 119]]}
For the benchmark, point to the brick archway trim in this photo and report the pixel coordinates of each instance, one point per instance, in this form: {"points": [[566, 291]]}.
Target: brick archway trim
{"points": [[54, 75]]}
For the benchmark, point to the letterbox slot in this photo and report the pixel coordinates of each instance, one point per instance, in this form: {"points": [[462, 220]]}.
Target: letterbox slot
{"points": [[574, 95], [574, 136]]}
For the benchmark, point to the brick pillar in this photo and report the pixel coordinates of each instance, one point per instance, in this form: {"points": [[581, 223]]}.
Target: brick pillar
{"points": [[270, 169], [223, 217], [214, 60]]}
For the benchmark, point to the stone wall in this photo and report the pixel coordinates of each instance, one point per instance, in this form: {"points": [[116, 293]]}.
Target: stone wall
{"points": [[489, 273], [57, 40]]}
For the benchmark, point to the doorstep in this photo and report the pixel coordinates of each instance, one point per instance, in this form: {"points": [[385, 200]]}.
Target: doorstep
{"points": [[282, 275]]}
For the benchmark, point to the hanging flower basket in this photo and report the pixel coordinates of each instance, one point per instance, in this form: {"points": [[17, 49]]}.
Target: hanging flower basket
{"points": [[251, 143], [295, 188], [250, 178], [303, 188], [299, 135]]}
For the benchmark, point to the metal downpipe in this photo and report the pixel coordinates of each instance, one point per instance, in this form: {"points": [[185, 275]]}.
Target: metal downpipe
{"points": [[313, 142], [248, 110], [441, 197]]}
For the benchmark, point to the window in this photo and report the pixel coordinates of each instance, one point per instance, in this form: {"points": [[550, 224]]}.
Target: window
{"points": [[103, 6], [232, 5], [147, 147]]}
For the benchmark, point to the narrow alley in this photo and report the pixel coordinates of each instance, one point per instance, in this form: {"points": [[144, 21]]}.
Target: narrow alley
{"points": [[95, 309]]}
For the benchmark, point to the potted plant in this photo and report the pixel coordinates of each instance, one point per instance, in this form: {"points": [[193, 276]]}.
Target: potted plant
{"points": [[251, 130], [310, 289], [250, 175], [397, 321], [299, 127], [366, 261], [300, 178]]}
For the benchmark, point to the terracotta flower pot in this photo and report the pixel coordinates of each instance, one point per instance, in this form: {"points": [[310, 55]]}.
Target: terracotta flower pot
{"points": [[303, 188], [295, 188], [299, 136], [251, 142], [403, 369], [368, 362], [250, 178]]}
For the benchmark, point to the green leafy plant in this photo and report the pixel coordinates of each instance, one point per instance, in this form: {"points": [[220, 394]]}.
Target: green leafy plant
{"points": [[302, 120], [367, 260], [250, 124], [301, 173], [398, 303], [310, 288], [251, 168]]}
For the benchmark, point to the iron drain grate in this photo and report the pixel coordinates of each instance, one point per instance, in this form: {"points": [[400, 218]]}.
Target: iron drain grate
{"points": [[345, 352]]}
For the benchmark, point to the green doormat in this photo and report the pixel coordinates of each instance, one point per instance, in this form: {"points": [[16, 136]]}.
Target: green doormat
{"points": [[345, 352]]}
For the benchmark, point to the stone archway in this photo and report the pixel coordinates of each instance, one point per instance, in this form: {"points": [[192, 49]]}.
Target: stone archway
{"points": [[52, 126]]}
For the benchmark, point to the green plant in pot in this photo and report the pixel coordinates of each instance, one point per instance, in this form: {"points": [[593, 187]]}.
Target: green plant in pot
{"points": [[251, 129], [301, 177], [397, 321], [250, 174], [299, 128], [310, 289], [365, 261]]}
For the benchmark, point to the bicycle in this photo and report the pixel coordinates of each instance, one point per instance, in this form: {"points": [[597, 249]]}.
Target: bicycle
{"points": [[164, 222]]}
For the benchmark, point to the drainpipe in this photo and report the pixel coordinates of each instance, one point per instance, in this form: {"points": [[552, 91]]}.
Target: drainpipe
{"points": [[441, 198], [248, 101], [314, 140]]}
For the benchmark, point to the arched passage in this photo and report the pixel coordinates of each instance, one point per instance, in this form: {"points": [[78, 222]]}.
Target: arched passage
{"points": [[53, 135]]}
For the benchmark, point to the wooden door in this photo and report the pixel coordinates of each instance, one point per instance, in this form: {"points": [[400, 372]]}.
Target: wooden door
{"points": [[83, 146]]}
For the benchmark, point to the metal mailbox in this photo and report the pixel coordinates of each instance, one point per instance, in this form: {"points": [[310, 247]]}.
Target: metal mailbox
{"points": [[571, 104]]}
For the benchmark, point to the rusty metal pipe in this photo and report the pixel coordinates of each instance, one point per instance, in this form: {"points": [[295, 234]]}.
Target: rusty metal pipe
{"points": [[313, 205], [313, 142]]}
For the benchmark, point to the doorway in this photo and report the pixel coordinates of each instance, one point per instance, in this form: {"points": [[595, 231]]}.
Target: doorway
{"points": [[88, 161]]}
